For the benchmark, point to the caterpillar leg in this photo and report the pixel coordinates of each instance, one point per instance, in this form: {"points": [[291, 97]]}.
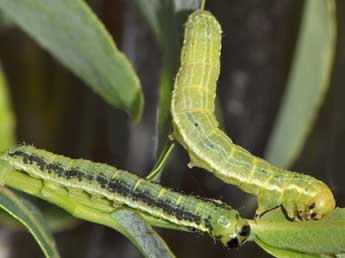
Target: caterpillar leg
{"points": [[290, 212], [267, 201], [260, 213], [293, 205]]}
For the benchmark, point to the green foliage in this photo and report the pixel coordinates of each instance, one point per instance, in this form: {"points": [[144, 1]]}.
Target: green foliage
{"points": [[308, 82], [80, 41], [94, 59], [71, 32]]}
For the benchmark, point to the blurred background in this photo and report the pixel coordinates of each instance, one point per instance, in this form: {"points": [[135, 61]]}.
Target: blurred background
{"points": [[55, 111]]}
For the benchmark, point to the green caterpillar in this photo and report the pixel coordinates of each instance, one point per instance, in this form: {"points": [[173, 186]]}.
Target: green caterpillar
{"points": [[195, 127], [217, 219]]}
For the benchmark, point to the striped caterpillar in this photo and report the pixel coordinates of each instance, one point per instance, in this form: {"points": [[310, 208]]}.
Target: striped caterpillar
{"points": [[217, 219], [195, 127]]}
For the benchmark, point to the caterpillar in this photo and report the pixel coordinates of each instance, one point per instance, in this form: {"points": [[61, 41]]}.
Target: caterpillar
{"points": [[217, 219], [195, 127]]}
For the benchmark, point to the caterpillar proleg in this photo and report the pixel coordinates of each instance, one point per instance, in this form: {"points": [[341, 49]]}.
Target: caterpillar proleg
{"points": [[195, 127], [217, 219]]}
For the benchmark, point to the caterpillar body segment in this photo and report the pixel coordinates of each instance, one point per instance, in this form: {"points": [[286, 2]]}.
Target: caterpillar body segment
{"points": [[195, 127], [217, 219]]}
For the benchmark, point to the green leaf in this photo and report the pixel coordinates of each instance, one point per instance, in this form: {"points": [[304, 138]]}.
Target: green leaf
{"points": [[326, 236], [308, 82], [7, 120], [97, 211], [282, 253], [29, 216], [71, 32]]}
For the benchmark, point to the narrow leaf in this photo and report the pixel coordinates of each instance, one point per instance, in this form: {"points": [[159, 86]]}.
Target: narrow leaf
{"points": [[308, 82], [7, 120], [29, 216], [71, 32]]}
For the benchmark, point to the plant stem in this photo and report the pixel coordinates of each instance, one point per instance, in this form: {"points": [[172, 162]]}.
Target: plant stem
{"points": [[154, 174], [202, 5]]}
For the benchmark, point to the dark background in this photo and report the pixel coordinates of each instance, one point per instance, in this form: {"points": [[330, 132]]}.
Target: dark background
{"points": [[57, 112]]}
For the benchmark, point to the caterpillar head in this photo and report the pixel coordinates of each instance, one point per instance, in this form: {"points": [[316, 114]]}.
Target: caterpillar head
{"points": [[320, 205], [234, 234]]}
